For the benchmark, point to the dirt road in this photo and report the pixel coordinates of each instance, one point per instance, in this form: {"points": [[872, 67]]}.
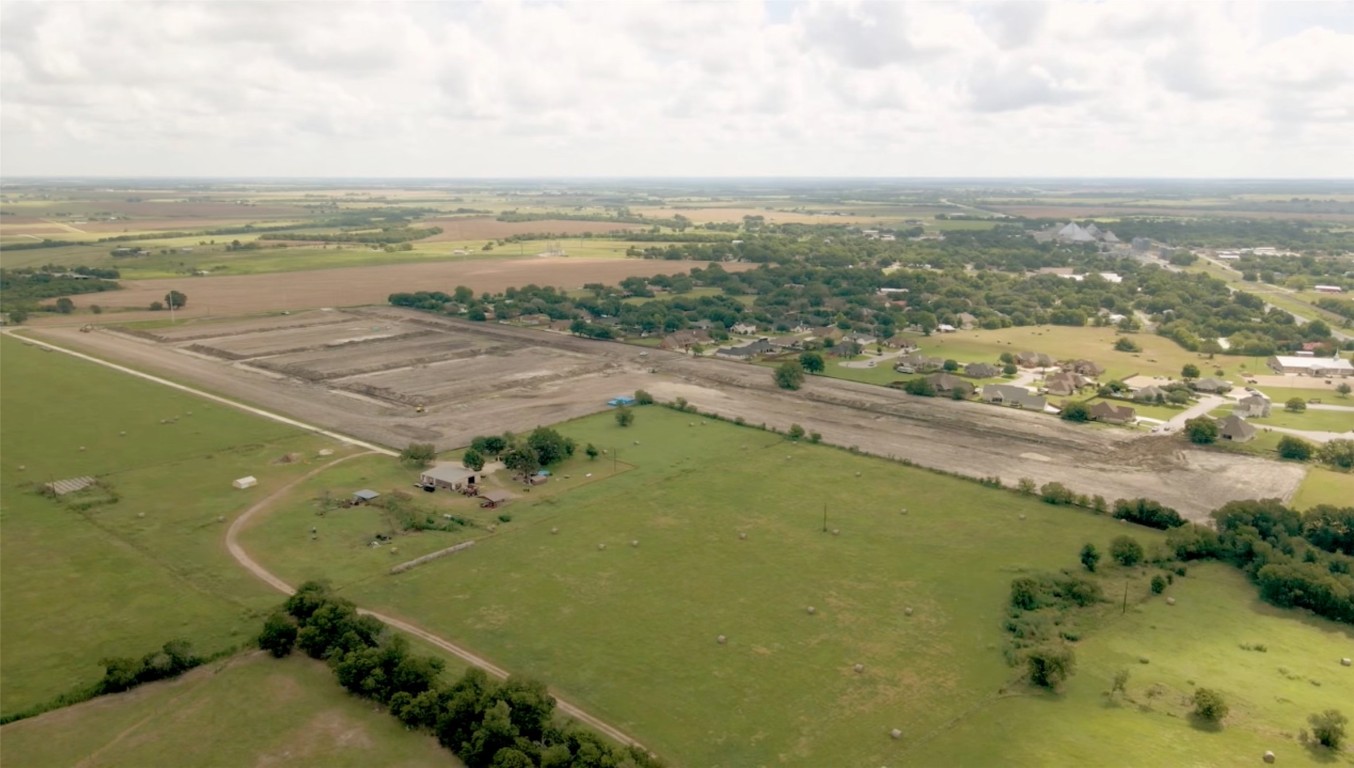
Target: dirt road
{"points": [[248, 563]]}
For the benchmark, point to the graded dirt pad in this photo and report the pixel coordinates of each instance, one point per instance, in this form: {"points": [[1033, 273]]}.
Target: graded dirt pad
{"points": [[456, 229], [506, 378], [354, 286]]}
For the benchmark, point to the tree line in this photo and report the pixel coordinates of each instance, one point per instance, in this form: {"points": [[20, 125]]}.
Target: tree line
{"points": [[485, 723]]}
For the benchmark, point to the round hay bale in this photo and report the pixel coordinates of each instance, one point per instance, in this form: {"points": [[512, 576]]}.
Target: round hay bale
{"points": [[835, 532], [220, 518], [721, 639], [394, 550], [691, 423], [82, 447], [811, 610], [140, 514], [123, 433], [904, 511], [895, 734], [907, 611], [742, 536], [1022, 517], [1170, 601], [634, 542], [554, 530], [1269, 756], [22, 467], [1345, 662], [857, 474], [601, 547], [636, 442], [859, 668]]}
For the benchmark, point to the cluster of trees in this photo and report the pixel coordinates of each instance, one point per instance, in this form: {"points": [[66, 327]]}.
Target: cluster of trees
{"points": [[543, 447], [1231, 232], [1147, 512], [1301, 561], [122, 673], [1038, 627], [385, 236], [485, 723], [24, 287]]}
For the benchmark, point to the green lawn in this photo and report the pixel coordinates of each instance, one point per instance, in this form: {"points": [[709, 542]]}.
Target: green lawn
{"points": [[629, 632], [1325, 486], [121, 578], [252, 710], [1163, 412], [1310, 419], [1196, 642]]}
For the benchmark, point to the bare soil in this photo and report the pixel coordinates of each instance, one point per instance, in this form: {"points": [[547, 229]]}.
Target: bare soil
{"points": [[355, 286], [476, 378]]}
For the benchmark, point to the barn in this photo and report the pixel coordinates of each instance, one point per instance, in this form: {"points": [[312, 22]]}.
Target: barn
{"points": [[453, 477]]}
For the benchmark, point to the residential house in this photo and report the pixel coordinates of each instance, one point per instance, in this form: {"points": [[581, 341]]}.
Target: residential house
{"points": [[447, 475], [744, 328], [945, 382], [1236, 429], [844, 350], [534, 319], [981, 370], [1210, 385], [1083, 367], [863, 339], [917, 363], [683, 341], [748, 351], [1149, 394], [787, 342], [1063, 383], [1033, 360], [1255, 406], [1111, 414], [966, 321], [1018, 397]]}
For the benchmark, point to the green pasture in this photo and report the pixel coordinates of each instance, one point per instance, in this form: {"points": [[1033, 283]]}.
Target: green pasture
{"points": [[1281, 395], [121, 578], [629, 631], [1168, 651], [1325, 486], [249, 710], [1310, 419]]}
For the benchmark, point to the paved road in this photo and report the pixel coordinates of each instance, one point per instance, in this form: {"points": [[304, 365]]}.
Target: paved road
{"points": [[1205, 404], [242, 557]]}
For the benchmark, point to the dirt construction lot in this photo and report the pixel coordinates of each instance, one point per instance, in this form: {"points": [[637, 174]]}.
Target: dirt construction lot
{"points": [[475, 378], [353, 286]]}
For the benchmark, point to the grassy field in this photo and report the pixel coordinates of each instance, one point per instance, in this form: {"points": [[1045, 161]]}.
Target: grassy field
{"points": [[1310, 419], [1196, 642], [1325, 486], [253, 710], [630, 631], [121, 578]]}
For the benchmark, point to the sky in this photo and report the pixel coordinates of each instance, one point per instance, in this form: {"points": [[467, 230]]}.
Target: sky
{"points": [[692, 89]]}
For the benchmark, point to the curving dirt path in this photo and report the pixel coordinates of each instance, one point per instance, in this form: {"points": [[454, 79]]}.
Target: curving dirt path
{"points": [[242, 557]]}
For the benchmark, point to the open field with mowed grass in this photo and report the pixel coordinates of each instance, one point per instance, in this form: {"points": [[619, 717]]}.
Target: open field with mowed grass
{"points": [[1168, 651], [630, 631], [1310, 419], [250, 710], [122, 578], [1325, 486]]}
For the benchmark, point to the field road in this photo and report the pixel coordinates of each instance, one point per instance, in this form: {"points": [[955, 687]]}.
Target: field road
{"points": [[242, 557]]}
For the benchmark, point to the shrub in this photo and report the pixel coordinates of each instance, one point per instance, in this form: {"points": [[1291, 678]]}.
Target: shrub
{"points": [[1329, 727], [1090, 557], [643, 398], [795, 432], [1056, 493], [1125, 344], [279, 634], [1295, 405], [814, 437], [1025, 485], [624, 416], [1126, 550], [1147, 512], [920, 387], [1077, 412], [1295, 448], [418, 454], [1209, 705], [1158, 585], [1049, 666]]}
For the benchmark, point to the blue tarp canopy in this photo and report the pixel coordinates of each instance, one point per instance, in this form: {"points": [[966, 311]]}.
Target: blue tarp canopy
{"points": [[622, 400]]}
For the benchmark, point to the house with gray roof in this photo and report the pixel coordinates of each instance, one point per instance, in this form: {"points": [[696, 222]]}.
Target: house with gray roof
{"points": [[1111, 414], [1254, 407], [1236, 429], [981, 370], [1009, 394], [1210, 385], [1149, 394], [447, 475], [945, 382]]}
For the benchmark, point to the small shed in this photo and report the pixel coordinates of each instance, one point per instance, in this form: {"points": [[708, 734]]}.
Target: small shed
{"points": [[495, 498], [248, 481], [365, 495]]}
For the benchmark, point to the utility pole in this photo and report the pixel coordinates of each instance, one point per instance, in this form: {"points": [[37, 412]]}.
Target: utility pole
{"points": [[615, 455], [1125, 598], [825, 517]]}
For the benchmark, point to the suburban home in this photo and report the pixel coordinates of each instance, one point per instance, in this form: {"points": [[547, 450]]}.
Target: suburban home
{"points": [[1311, 366], [844, 350], [534, 319], [1111, 414], [787, 342], [683, 341], [451, 476], [1254, 407], [981, 370], [863, 339], [827, 332], [945, 382], [743, 328], [1236, 429], [1210, 385], [916, 362], [966, 321], [1149, 394], [1033, 360], [1063, 383], [748, 351], [1083, 367], [1009, 394], [900, 341]]}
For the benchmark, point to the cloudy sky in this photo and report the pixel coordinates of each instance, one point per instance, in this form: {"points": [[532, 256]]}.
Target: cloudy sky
{"points": [[511, 89]]}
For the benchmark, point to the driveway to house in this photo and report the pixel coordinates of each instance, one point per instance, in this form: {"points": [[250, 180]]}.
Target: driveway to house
{"points": [[874, 360], [1205, 404]]}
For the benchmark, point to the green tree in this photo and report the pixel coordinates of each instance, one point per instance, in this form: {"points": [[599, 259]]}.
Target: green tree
{"points": [[1010, 369], [1209, 705], [624, 416], [1201, 430], [1049, 665], [550, 446], [279, 634], [1120, 684], [921, 387], [473, 459], [1125, 344], [156, 306], [1126, 550], [591, 451], [1295, 448], [796, 432], [491, 445], [1189, 371], [65, 306], [1343, 388], [643, 398], [789, 375], [1007, 358], [1158, 584], [522, 459], [950, 365], [1075, 411], [418, 454], [176, 300], [1090, 557], [1295, 405], [812, 362], [1329, 727], [17, 316], [1177, 397], [1337, 453]]}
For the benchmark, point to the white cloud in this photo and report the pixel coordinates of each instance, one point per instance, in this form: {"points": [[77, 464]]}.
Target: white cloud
{"points": [[525, 88]]}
